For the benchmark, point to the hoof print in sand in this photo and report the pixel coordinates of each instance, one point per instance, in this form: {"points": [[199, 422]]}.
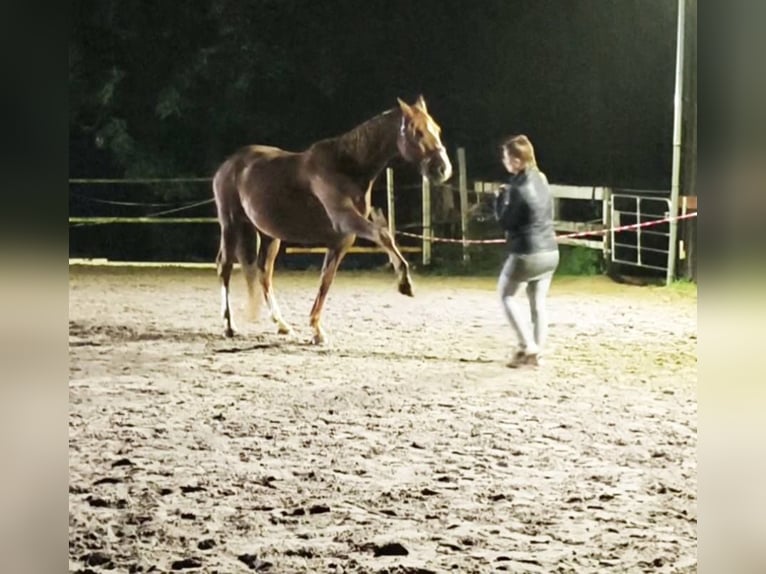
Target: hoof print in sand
{"points": [[98, 559], [319, 509], [186, 563], [254, 563], [389, 549]]}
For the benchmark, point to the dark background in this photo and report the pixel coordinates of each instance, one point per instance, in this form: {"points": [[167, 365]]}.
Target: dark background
{"points": [[160, 89]]}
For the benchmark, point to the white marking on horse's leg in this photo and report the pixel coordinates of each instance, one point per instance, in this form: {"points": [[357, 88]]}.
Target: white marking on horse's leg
{"points": [[224, 302], [228, 324], [276, 315]]}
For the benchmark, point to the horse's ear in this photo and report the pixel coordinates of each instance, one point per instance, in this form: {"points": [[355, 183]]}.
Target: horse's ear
{"points": [[406, 109], [421, 103]]}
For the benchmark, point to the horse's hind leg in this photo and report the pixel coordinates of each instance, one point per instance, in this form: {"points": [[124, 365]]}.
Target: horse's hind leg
{"points": [[224, 264], [267, 255], [332, 260]]}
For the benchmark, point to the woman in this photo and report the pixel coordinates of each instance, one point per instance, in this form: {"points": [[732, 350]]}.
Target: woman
{"points": [[524, 208]]}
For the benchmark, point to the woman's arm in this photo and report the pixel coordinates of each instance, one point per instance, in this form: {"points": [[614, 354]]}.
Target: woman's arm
{"points": [[501, 202], [508, 210]]}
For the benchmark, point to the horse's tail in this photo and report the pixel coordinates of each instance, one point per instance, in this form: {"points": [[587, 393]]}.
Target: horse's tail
{"points": [[223, 204], [225, 183]]}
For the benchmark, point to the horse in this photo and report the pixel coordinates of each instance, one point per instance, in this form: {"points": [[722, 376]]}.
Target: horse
{"points": [[319, 196]]}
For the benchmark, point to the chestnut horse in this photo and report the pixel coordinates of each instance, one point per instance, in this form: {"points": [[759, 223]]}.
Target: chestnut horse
{"points": [[319, 196]]}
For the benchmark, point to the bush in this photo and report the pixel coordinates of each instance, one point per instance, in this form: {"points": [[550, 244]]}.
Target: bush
{"points": [[576, 260], [489, 259]]}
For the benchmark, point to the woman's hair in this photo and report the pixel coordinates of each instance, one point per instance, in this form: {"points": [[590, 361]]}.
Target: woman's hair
{"points": [[520, 147]]}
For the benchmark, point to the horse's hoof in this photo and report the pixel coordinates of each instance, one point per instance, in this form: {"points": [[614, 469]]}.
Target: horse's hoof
{"points": [[284, 330], [319, 339], [406, 289], [228, 332]]}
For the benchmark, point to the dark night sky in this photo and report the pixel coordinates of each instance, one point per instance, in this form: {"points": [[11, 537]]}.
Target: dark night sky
{"points": [[590, 81]]}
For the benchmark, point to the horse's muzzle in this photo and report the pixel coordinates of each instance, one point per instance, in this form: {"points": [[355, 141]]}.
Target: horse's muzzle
{"points": [[438, 167]]}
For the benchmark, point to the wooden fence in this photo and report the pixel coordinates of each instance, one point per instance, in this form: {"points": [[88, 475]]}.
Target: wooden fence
{"points": [[467, 200]]}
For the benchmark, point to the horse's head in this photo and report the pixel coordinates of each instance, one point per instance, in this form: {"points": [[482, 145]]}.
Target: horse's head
{"points": [[419, 141]]}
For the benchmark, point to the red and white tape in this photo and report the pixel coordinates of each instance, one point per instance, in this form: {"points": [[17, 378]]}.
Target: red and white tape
{"points": [[558, 237]]}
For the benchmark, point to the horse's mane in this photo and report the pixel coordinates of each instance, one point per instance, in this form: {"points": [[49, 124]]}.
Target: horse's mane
{"points": [[363, 142]]}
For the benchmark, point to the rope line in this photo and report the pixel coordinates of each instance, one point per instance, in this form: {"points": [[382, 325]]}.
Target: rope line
{"points": [[177, 209], [85, 221], [147, 180], [558, 237], [141, 180], [132, 203]]}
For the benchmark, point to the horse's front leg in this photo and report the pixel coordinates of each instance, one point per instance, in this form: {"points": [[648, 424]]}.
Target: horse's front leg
{"points": [[385, 240], [383, 237], [346, 219], [349, 221], [332, 260]]}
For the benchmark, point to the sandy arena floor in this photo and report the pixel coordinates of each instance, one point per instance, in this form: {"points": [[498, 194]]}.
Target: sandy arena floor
{"points": [[404, 447]]}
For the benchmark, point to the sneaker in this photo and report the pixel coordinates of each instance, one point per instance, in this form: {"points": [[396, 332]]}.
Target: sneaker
{"points": [[532, 359], [518, 359]]}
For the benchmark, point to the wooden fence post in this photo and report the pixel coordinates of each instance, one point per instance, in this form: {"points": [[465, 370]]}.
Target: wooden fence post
{"points": [[427, 231], [391, 206], [606, 219], [463, 183]]}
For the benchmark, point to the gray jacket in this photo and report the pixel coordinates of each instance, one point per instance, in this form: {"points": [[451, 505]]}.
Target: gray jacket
{"points": [[524, 209]]}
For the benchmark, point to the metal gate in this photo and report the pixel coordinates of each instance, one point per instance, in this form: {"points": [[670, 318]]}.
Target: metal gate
{"points": [[646, 247]]}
